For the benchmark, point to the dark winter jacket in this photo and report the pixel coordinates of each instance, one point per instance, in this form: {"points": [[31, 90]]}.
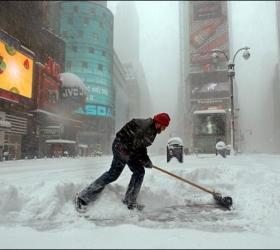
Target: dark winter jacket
{"points": [[136, 136]]}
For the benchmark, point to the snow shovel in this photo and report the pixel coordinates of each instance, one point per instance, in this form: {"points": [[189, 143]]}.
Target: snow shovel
{"points": [[223, 201]]}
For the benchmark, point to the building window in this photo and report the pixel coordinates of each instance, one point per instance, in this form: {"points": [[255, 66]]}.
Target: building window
{"points": [[95, 36], [91, 50], [68, 64], [74, 48], [85, 65], [92, 10], [52, 96], [86, 20], [70, 20], [100, 67], [80, 33], [76, 9], [103, 53], [101, 25], [65, 34]]}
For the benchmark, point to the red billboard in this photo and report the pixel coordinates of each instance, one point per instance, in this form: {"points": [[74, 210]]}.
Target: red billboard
{"points": [[49, 84], [208, 30]]}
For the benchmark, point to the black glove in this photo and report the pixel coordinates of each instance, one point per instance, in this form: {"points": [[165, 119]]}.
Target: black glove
{"points": [[149, 164]]}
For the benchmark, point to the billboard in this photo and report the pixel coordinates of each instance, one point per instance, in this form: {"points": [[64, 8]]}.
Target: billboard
{"points": [[48, 84], [16, 68], [208, 31], [98, 101]]}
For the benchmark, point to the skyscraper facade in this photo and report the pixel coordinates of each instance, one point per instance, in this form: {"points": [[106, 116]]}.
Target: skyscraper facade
{"points": [[127, 47], [87, 28], [204, 87]]}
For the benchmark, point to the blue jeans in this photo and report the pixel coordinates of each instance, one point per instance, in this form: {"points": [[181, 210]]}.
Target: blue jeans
{"points": [[120, 159]]}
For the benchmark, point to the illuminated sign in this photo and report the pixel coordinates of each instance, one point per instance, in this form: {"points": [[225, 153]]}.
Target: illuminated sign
{"points": [[98, 101], [16, 70], [49, 83], [95, 110]]}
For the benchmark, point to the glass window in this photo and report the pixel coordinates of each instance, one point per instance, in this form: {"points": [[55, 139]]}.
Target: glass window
{"points": [[103, 53], [76, 8], [210, 124], [95, 36], [84, 64], [68, 64], [86, 20], [80, 33], [65, 34], [92, 10], [74, 48], [70, 20], [91, 50], [100, 67]]}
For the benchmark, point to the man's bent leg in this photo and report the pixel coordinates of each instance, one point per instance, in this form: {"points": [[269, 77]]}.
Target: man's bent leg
{"points": [[90, 193], [134, 184]]}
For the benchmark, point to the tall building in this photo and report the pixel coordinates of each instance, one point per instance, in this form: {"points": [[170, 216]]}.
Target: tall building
{"points": [[87, 29], [126, 32], [121, 94], [31, 28], [24, 36], [126, 44], [227, 26], [204, 81], [276, 89]]}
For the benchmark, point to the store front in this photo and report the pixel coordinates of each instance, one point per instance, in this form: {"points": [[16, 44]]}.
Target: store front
{"points": [[57, 134], [210, 126]]}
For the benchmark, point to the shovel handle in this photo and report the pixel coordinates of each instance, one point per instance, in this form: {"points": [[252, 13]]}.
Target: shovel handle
{"points": [[182, 179]]}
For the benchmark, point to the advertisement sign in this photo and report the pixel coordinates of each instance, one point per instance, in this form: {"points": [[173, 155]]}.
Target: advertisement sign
{"points": [[206, 10], [49, 84], [16, 69], [208, 30], [73, 92], [99, 98], [96, 110]]}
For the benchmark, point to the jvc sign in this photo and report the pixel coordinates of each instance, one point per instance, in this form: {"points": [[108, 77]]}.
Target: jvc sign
{"points": [[73, 92]]}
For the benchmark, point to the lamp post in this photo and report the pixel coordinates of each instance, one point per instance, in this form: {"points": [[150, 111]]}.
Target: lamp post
{"points": [[231, 74]]}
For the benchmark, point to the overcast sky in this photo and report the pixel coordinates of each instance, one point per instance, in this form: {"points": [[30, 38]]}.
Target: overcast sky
{"points": [[159, 50]]}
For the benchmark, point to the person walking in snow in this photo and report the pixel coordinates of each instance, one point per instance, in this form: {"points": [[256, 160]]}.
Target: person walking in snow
{"points": [[129, 147]]}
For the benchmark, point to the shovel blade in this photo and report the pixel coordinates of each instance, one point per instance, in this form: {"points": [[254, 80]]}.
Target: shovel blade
{"points": [[223, 201]]}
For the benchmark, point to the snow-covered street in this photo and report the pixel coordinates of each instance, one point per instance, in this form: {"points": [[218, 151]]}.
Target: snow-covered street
{"points": [[36, 208]]}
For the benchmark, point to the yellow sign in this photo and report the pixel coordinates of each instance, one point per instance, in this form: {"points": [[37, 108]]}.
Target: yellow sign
{"points": [[16, 71]]}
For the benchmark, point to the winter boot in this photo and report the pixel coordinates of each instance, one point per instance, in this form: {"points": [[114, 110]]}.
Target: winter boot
{"points": [[80, 205], [133, 205]]}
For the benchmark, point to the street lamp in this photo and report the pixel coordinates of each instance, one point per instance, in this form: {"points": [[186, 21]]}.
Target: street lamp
{"points": [[231, 74]]}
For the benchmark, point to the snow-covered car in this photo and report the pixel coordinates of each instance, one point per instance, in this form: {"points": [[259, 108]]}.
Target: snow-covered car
{"points": [[175, 149]]}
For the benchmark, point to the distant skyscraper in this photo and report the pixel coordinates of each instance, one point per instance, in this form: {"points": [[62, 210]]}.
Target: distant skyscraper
{"points": [[126, 32], [126, 45], [204, 90]]}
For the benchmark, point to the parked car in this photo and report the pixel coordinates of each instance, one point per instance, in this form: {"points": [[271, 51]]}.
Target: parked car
{"points": [[175, 149]]}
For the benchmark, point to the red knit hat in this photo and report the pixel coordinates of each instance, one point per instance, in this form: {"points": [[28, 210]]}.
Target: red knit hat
{"points": [[162, 118]]}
